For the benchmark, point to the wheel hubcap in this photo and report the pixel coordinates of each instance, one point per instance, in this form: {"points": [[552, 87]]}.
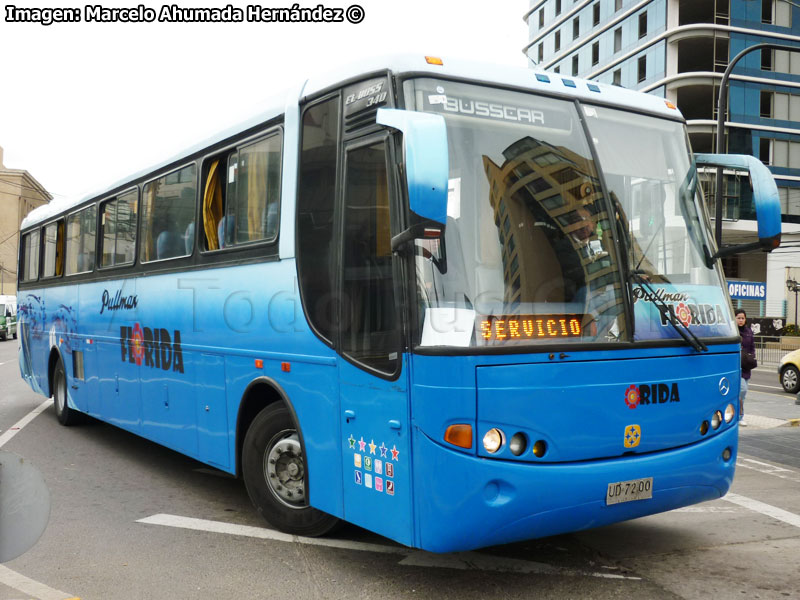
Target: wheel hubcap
{"points": [[789, 379], [284, 469]]}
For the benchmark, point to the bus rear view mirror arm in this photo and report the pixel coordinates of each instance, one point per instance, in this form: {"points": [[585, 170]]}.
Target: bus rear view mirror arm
{"points": [[765, 199]]}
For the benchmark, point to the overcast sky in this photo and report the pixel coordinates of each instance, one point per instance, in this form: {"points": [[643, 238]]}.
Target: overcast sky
{"points": [[86, 104]]}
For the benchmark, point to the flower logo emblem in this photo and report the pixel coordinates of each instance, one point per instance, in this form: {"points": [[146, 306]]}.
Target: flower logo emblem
{"points": [[632, 397], [684, 314], [138, 344]]}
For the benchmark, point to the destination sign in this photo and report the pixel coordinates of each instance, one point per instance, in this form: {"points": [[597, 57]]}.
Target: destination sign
{"points": [[528, 327]]}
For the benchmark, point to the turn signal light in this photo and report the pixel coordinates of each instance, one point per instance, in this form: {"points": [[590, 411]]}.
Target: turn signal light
{"points": [[434, 60], [459, 435], [670, 105]]}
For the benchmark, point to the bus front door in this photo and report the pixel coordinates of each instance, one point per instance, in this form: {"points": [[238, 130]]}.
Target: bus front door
{"points": [[372, 375]]}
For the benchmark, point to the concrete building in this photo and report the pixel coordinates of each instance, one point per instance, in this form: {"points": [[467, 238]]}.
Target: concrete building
{"points": [[20, 193], [679, 49]]}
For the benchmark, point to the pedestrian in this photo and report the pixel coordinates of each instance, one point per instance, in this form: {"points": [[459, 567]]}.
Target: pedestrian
{"points": [[748, 358]]}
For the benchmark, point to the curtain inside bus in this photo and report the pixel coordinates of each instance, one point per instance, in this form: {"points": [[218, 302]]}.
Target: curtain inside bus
{"points": [[60, 249], [212, 206]]}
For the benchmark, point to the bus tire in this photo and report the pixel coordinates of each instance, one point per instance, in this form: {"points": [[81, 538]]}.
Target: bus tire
{"points": [[64, 414], [273, 469]]}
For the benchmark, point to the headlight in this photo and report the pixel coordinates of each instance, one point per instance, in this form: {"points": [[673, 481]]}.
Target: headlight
{"points": [[493, 440], [517, 444], [716, 420], [730, 412]]}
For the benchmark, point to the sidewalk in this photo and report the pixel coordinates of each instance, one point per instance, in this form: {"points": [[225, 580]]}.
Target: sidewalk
{"points": [[768, 411], [759, 422]]}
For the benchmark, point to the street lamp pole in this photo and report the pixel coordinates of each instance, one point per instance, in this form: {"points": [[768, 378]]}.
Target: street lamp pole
{"points": [[793, 286], [721, 109]]}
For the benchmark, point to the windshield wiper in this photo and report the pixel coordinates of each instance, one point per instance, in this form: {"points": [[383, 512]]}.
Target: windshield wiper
{"points": [[650, 294]]}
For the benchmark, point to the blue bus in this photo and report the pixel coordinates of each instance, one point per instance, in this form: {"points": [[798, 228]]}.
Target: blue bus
{"points": [[458, 305]]}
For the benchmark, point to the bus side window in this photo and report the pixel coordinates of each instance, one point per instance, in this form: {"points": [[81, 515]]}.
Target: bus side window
{"points": [[29, 256], [243, 207], [370, 330], [81, 233], [213, 203], [118, 230], [316, 239], [168, 207], [53, 249]]}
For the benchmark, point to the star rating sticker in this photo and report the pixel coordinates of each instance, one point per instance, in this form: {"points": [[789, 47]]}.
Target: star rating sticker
{"points": [[361, 444], [383, 450], [395, 452], [352, 442], [372, 446]]}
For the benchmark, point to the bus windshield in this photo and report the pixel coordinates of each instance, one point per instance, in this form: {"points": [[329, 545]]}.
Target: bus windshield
{"points": [[528, 253]]}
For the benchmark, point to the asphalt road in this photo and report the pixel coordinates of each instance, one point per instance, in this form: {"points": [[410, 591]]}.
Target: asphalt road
{"points": [[130, 519]]}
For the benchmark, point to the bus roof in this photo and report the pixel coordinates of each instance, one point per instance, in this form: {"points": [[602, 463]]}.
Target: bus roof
{"points": [[400, 64]]}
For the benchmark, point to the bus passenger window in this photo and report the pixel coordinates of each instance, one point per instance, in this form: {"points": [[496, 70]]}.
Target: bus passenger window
{"points": [[81, 233], [29, 261], [118, 230], [168, 206], [54, 249], [243, 207], [213, 202]]}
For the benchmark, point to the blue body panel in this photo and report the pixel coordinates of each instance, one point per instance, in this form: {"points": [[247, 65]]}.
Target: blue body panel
{"points": [[506, 501], [185, 389], [183, 384], [579, 407]]}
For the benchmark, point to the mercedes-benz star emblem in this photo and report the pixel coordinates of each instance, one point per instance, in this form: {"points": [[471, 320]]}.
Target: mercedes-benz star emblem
{"points": [[724, 386]]}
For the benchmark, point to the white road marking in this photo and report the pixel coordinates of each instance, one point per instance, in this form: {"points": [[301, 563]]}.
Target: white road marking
{"points": [[10, 578], [416, 558], [768, 469], [29, 587], [473, 561], [706, 509], [765, 509], [17, 427], [783, 396], [263, 533]]}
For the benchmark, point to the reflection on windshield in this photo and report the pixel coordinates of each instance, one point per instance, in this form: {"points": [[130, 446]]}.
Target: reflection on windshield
{"points": [[653, 184], [530, 253]]}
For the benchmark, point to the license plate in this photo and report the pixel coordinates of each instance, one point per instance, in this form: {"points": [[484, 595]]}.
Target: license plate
{"points": [[628, 491]]}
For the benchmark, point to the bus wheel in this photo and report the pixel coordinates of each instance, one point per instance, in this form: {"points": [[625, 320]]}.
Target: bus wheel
{"points": [[273, 467], [64, 414]]}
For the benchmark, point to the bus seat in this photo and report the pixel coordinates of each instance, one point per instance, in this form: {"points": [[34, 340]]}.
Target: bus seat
{"points": [[225, 231], [188, 238], [167, 245], [271, 220]]}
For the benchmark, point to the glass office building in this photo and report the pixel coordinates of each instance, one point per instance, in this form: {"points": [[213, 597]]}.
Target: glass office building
{"points": [[679, 49]]}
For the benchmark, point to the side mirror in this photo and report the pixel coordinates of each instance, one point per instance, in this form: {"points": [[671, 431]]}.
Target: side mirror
{"points": [[426, 166], [765, 198]]}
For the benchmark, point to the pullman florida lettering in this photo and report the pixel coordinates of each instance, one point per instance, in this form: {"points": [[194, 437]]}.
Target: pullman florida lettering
{"points": [[172, 13], [151, 347]]}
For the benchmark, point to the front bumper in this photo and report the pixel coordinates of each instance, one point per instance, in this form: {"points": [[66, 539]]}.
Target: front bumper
{"points": [[466, 502]]}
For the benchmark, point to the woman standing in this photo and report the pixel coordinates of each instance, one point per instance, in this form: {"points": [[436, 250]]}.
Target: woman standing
{"points": [[748, 357]]}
